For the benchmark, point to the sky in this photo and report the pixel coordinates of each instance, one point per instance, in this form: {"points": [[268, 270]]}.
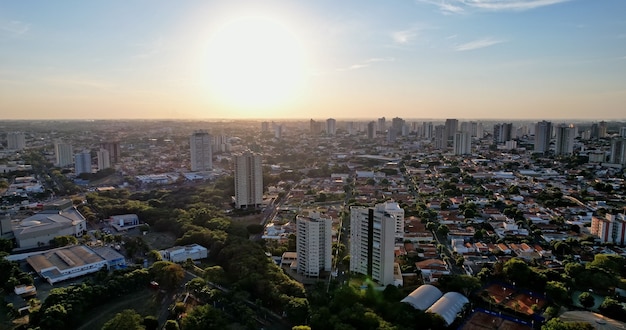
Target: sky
{"points": [[466, 59]]}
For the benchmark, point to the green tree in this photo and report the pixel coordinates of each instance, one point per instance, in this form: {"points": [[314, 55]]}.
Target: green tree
{"points": [[557, 324], [613, 309], [516, 270], [204, 317], [168, 274], [586, 299], [557, 291], [171, 325], [127, 319], [150, 322]]}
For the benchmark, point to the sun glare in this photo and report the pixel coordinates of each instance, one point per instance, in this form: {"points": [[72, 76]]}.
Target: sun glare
{"points": [[254, 63]]}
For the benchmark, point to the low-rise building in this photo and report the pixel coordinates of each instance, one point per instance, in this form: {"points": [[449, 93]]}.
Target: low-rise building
{"points": [[182, 253]]}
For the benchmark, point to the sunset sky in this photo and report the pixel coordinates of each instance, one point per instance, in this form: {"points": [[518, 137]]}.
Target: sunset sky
{"points": [[466, 59]]}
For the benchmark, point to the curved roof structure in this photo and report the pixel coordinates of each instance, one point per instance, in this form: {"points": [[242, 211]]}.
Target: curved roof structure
{"points": [[423, 297], [596, 320], [449, 306]]}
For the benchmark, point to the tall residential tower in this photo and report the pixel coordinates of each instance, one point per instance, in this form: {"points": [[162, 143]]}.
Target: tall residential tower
{"points": [[248, 181]]}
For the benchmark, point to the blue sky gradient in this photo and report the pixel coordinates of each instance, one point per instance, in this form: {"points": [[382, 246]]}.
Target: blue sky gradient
{"points": [[516, 59]]}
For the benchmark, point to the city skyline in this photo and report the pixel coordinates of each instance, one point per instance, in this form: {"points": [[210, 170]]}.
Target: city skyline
{"points": [[510, 60]]}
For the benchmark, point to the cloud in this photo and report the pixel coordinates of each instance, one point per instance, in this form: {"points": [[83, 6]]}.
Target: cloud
{"points": [[367, 63], [14, 28], [404, 37], [477, 44], [462, 6]]}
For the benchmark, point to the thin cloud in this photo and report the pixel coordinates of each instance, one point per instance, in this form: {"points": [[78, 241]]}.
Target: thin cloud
{"points": [[477, 44], [14, 28], [367, 63], [462, 6], [511, 5]]}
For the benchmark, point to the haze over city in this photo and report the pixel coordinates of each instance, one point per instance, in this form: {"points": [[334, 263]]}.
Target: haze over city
{"points": [[517, 59]]}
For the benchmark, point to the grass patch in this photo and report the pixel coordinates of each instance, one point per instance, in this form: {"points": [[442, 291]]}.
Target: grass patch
{"points": [[143, 302]]}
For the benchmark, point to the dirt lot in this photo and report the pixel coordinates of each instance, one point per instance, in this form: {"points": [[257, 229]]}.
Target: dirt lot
{"points": [[159, 241], [525, 302], [482, 321]]}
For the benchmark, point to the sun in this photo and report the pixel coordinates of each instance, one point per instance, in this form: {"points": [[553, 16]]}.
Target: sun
{"points": [[254, 63]]}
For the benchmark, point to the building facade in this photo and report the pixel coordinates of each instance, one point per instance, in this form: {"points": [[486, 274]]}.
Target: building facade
{"points": [[201, 152], [16, 141], [248, 181], [313, 244], [462, 144], [610, 229], [565, 135], [64, 154], [82, 162], [543, 133], [372, 239]]}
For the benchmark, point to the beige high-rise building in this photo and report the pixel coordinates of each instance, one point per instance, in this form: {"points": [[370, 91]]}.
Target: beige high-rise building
{"points": [[16, 141], [314, 244], [372, 240], [248, 180]]}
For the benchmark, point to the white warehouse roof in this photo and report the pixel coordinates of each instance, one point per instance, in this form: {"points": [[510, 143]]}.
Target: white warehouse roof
{"points": [[449, 306], [423, 297]]}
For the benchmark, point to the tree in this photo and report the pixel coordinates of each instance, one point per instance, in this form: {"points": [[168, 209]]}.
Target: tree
{"points": [[557, 324], [171, 325], [586, 299], [461, 283], [516, 270], [613, 309], [150, 322], [127, 319], [167, 274], [204, 317], [557, 291]]}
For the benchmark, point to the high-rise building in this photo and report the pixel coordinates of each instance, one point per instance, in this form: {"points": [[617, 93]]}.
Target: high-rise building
{"points": [[331, 126], [477, 129], [265, 126], [622, 131], [602, 129], [428, 130], [104, 159], [201, 153], [382, 125], [82, 162], [64, 154], [502, 133], [397, 213], [313, 244], [441, 141], [397, 124], [462, 143], [372, 239], [371, 130], [610, 229], [315, 127], [115, 153], [248, 180], [16, 141], [452, 126], [543, 133], [278, 131], [618, 150], [565, 135]]}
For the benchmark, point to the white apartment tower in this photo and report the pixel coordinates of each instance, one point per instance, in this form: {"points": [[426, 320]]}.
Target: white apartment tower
{"points": [[82, 162], [201, 153], [16, 141], [372, 239], [313, 244], [64, 154], [441, 141], [104, 159], [462, 143], [543, 133], [248, 180], [394, 209], [610, 229]]}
